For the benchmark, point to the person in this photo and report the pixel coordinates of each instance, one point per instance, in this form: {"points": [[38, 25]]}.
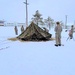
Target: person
{"points": [[71, 32], [58, 30], [16, 30], [22, 28]]}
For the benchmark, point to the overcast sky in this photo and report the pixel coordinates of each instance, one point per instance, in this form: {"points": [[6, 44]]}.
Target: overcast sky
{"points": [[14, 10]]}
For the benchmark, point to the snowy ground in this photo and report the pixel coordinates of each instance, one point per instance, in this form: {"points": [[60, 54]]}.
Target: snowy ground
{"points": [[35, 58]]}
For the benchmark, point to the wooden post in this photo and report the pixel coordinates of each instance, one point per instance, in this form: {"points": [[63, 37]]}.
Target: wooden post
{"points": [[26, 14]]}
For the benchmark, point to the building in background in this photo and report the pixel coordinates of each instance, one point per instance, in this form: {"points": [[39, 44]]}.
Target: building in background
{"points": [[2, 23], [14, 24]]}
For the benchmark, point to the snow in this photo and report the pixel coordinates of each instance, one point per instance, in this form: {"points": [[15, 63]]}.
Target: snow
{"points": [[35, 58]]}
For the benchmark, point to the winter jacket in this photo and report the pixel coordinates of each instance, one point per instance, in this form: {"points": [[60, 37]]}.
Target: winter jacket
{"points": [[58, 29]]}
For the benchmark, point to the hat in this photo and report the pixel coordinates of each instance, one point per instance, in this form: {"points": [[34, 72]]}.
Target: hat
{"points": [[72, 26], [57, 22]]}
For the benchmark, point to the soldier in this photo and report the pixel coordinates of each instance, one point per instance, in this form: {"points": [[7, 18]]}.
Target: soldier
{"points": [[16, 30], [58, 30], [71, 32], [22, 28]]}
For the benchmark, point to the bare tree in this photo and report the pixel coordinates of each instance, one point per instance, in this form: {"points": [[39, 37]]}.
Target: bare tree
{"points": [[62, 24], [49, 22]]}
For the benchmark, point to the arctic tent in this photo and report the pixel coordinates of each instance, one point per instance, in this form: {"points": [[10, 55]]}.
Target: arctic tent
{"points": [[34, 33]]}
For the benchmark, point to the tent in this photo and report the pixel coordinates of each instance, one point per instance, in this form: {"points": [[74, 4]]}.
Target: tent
{"points": [[34, 33]]}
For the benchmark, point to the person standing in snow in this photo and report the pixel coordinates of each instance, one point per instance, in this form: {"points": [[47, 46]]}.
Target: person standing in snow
{"points": [[71, 32], [58, 30], [22, 28], [16, 30]]}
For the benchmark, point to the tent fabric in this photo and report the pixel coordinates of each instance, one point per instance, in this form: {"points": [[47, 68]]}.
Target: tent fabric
{"points": [[34, 33]]}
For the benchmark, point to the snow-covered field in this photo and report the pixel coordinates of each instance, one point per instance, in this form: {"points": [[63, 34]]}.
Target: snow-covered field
{"points": [[35, 58]]}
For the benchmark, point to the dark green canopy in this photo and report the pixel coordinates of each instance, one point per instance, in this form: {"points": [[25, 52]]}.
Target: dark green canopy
{"points": [[34, 33]]}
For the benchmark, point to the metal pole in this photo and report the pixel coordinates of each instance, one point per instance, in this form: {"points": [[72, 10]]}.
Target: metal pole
{"points": [[26, 14], [66, 21]]}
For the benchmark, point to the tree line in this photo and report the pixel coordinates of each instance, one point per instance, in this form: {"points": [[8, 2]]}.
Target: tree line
{"points": [[48, 22]]}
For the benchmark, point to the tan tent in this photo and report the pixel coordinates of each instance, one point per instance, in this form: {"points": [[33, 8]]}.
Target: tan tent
{"points": [[34, 33]]}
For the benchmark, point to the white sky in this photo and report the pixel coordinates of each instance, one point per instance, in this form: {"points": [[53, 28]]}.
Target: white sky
{"points": [[14, 10]]}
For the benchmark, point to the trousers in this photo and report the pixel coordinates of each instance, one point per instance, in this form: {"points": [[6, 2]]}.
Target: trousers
{"points": [[58, 38]]}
